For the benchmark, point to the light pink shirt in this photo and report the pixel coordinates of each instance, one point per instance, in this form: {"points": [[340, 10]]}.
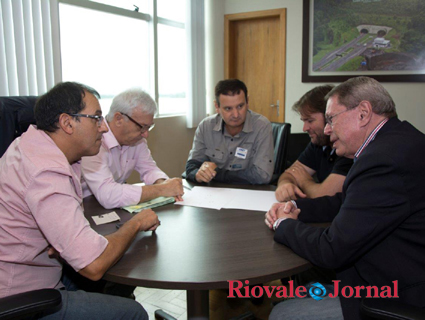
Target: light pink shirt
{"points": [[41, 206], [105, 174]]}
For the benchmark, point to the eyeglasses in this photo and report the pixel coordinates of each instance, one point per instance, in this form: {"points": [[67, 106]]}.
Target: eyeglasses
{"points": [[328, 119], [143, 127], [99, 119]]}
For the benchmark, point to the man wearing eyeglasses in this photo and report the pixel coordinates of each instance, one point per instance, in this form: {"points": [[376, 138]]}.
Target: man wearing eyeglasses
{"points": [[42, 222], [235, 145], [318, 158], [378, 221], [124, 150]]}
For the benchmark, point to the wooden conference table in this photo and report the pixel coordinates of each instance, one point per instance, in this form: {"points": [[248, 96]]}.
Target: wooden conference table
{"points": [[198, 249]]}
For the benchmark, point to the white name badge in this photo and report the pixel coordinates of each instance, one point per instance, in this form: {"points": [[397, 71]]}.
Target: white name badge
{"points": [[241, 153]]}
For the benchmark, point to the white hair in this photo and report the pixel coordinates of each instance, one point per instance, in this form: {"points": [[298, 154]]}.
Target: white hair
{"points": [[130, 99]]}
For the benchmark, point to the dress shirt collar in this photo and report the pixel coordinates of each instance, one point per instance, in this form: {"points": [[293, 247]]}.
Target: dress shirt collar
{"points": [[370, 138], [247, 127], [109, 139]]}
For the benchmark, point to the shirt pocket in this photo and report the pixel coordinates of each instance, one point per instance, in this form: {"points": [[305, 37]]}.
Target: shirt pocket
{"points": [[128, 168], [240, 162], [215, 156]]}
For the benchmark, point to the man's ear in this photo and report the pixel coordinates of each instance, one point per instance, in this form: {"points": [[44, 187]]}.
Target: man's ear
{"points": [[66, 123], [118, 119], [366, 112]]}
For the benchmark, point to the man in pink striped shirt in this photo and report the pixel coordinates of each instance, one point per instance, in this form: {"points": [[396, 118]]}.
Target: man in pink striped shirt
{"points": [[42, 221]]}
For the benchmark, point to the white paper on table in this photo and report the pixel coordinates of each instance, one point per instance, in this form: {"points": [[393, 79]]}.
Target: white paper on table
{"points": [[204, 197], [258, 200], [217, 198], [106, 218]]}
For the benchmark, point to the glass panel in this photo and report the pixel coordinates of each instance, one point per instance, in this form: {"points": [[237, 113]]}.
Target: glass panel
{"points": [[172, 9], [143, 5], [172, 70], [105, 51]]}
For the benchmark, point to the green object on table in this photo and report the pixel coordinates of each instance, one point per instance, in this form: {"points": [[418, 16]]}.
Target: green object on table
{"points": [[157, 202]]}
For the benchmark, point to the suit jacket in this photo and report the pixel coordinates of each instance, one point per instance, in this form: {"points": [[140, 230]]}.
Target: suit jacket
{"points": [[377, 233]]}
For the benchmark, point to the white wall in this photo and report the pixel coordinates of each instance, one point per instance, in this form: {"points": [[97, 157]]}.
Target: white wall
{"points": [[170, 141], [409, 97]]}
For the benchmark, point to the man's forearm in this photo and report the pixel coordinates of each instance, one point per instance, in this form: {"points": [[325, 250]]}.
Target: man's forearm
{"points": [[314, 190], [151, 192], [118, 243], [192, 167], [323, 209], [286, 178], [330, 186], [253, 175]]}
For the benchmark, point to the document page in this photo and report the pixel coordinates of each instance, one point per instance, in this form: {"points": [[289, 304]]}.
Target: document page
{"points": [[204, 197], [251, 200], [217, 198]]}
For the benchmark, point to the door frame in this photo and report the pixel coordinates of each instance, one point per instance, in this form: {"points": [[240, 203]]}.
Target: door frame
{"points": [[281, 13]]}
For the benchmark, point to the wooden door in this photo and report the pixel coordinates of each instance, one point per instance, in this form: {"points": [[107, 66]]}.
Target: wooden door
{"points": [[255, 52]]}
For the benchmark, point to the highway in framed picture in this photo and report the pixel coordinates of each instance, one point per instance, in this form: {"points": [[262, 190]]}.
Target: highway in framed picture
{"points": [[384, 39]]}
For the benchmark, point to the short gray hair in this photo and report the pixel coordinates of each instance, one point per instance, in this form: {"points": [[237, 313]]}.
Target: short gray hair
{"points": [[131, 99], [353, 91]]}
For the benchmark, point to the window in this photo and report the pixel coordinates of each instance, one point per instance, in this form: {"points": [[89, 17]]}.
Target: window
{"points": [[109, 45]]}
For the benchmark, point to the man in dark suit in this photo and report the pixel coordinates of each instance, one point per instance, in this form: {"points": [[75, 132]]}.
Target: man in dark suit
{"points": [[378, 221]]}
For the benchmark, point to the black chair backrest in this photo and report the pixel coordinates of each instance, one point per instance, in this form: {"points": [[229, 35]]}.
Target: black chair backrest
{"points": [[16, 115], [281, 132], [297, 143]]}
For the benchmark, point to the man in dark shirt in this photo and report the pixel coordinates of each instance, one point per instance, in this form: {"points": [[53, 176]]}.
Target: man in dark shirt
{"points": [[318, 158]]}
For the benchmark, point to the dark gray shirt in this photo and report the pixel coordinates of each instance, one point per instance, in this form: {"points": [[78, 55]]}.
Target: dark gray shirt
{"points": [[244, 158]]}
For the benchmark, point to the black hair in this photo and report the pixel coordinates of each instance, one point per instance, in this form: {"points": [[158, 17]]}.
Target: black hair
{"points": [[230, 87], [313, 101], [65, 97]]}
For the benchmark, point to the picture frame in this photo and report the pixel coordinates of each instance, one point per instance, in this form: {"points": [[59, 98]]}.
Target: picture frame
{"points": [[373, 53]]}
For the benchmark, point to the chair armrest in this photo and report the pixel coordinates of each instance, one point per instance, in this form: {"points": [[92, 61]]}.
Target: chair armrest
{"points": [[162, 315], [390, 309], [29, 303]]}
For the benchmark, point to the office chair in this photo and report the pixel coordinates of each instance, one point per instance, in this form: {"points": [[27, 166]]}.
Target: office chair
{"points": [[16, 115], [376, 308], [281, 132], [29, 304], [162, 315], [296, 145]]}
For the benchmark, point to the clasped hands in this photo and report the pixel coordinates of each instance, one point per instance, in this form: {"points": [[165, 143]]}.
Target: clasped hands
{"points": [[281, 210], [206, 172]]}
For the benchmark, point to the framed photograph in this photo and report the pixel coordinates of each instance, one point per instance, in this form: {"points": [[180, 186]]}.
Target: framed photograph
{"points": [[382, 39]]}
